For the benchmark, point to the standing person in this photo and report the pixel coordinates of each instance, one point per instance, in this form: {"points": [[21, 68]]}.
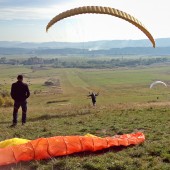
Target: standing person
{"points": [[93, 97], [19, 93]]}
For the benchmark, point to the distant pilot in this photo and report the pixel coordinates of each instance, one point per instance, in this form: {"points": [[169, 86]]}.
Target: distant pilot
{"points": [[93, 97]]}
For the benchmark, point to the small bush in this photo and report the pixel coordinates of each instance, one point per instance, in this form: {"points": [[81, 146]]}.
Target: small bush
{"points": [[1, 101], [4, 93], [8, 102]]}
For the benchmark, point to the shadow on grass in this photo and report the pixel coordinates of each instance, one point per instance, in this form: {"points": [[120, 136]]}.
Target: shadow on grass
{"points": [[57, 101], [63, 115], [28, 166], [48, 116]]}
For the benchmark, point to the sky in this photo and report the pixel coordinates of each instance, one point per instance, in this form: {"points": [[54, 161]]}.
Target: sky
{"points": [[26, 20]]}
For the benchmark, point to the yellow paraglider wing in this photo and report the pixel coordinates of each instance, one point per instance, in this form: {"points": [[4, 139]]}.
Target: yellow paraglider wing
{"points": [[13, 142], [102, 10]]}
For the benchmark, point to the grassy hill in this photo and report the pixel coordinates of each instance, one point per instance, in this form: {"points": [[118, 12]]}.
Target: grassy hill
{"points": [[125, 105]]}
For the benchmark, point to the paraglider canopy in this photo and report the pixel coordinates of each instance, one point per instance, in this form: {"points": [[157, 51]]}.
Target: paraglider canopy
{"points": [[158, 82], [102, 10]]}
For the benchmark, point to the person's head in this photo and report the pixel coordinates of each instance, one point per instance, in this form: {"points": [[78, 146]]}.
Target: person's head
{"points": [[20, 78]]}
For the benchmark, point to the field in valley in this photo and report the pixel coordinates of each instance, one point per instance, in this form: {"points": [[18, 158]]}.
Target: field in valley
{"points": [[125, 104]]}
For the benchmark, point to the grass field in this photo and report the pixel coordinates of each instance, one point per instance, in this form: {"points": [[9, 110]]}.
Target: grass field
{"points": [[125, 105]]}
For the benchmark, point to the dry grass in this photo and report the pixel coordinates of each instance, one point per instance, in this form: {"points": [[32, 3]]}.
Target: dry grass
{"points": [[125, 105]]}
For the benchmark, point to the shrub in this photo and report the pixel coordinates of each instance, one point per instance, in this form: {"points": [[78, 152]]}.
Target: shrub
{"points": [[8, 102], [4, 93], [1, 101]]}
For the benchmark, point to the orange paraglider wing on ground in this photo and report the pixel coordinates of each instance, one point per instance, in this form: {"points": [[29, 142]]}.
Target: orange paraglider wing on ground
{"points": [[44, 148]]}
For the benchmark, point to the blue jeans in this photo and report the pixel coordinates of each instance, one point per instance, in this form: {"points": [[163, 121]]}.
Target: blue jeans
{"points": [[17, 105]]}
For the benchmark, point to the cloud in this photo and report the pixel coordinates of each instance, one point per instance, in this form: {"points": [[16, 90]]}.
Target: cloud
{"points": [[25, 13], [27, 3], [37, 9]]}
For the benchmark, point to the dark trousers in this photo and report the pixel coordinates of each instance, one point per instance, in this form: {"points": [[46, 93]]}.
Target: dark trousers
{"points": [[17, 105], [94, 102]]}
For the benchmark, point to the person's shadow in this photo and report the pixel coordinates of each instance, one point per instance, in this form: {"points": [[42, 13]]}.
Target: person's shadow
{"points": [[53, 116]]}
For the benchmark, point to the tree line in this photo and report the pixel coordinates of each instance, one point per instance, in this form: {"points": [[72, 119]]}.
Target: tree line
{"points": [[86, 63]]}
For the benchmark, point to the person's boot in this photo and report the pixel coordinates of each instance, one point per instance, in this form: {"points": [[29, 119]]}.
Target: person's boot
{"points": [[13, 125], [23, 123]]}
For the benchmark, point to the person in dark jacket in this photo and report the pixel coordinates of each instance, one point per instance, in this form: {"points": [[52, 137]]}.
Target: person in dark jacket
{"points": [[93, 97], [19, 93]]}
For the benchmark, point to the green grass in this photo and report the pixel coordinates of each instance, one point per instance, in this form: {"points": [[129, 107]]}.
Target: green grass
{"points": [[125, 105]]}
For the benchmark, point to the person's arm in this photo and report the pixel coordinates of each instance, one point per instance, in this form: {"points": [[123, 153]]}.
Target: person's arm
{"points": [[97, 94], [89, 95], [28, 91], [12, 92]]}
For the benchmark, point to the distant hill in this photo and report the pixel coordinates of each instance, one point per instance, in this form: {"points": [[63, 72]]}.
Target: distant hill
{"points": [[105, 47], [159, 51]]}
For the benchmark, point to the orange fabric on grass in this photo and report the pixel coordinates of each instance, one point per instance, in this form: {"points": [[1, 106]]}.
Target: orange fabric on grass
{"points": [[44, 148]]}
